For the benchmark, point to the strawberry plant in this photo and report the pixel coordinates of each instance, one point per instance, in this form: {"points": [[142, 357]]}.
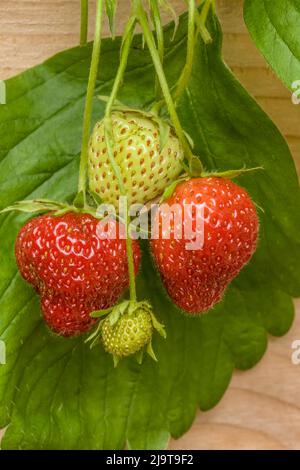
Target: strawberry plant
{"points": [[163, 118]]}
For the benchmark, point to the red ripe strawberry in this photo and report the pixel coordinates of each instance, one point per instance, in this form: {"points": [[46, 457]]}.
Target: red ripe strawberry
{"points": [[73, 269], [196, 279], [68, 316]]}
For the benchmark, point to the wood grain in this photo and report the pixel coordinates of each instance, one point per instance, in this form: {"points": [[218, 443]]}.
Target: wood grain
{"points": [[261, 409]]}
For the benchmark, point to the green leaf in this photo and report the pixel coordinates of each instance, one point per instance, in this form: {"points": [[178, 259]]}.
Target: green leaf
{"points": [[58, 393], [274, 27]]}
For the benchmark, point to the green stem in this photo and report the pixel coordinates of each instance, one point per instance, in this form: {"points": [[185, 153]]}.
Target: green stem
{"points": [[84, 22], [130, 260], [142, 17], [156, 18], [201, 20], [109, 137], [187, 70], [89, 98], [198, 19], [205, 10]]}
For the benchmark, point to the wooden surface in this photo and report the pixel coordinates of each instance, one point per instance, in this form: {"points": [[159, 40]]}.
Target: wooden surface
{"points": [[261, 409]]}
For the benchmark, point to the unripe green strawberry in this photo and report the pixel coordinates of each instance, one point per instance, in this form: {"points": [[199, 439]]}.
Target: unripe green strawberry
{"points": [[127, 329], [128, 335], [145, 148]]}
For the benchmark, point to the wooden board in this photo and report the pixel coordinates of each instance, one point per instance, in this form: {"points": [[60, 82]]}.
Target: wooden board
{"points": [[261, 408]]}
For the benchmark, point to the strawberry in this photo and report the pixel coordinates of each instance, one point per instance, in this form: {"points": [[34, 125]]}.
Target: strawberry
{"points": [[73, 268], [128, 329], [68, 316], [146, 167], [197, 278], [130, 334]]}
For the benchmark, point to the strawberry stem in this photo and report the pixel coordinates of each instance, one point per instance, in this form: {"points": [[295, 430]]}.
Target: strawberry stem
{"points": [[157, 23], [109, 137], [143, 20], [187, 69], [84, 22], [89, 98], [201, 20], [196, 26]]}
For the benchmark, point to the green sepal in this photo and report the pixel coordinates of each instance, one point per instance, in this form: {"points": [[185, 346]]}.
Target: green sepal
{"points": [[64, 211], [35, 205], [79, 200], [164, 132], [159, 327], [149, 350], [145, 305], [195, 167], [47, 205], [140, 356], [100, 313], [189, 139], [114, 315], [94, 337], [163, 125], [231, 173], [116, 360], [134, 306], [117, 311], [169, 190], [96, 198], [185, 166]]}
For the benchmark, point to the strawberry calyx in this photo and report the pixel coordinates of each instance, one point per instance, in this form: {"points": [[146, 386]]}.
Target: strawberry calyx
{"points": [[163, 122], [41, 205], [169, 190], [125, 311], [164, 125], [228, 174]]}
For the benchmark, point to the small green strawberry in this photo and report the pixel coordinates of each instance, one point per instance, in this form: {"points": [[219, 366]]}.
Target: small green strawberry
{"points": [[146, 150], [130, 334], [127, 330]]}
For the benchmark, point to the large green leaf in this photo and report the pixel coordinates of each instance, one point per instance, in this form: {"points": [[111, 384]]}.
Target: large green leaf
{"points": [[274, 27], [56, 393]]}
